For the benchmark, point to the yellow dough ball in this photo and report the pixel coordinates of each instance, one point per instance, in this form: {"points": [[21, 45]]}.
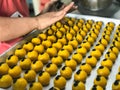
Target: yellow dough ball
{"points": [[100, 80], [103, 41], [117, 44], [44, 57], [60, 82], [74, 43], [58, 24], [90, 40], [114, 50], [62, 29], [86, 67], [36, 41], [72, 31], [82, 50], [64, 53], [78, 86], [68, 47], [91, 60], [20, 84], [52, 51], [70, 22], [37, 66], [33, 55], [111, 56], [28, 46], [59, 34], [4, 68], [96, 87], [42, 36], [66, 72], [54, 88], [96, 53], [47, 43], [86, 44], [57, 45], [20, 52], [54, 28], [79, 38], [118, 76], [58, 60], [103, 71], [6, 81], [116, 85], [93, 35], [49, 32], [107, 37], [12, 60], [80, 75], [36, 86], [63, 41], [83, 33], [77, 57], [94, 30], [52, 38], [100, 47], [108, 63], [25, 64], [39, 48], [15, 71], [51, 69], [44, 78], [71, 63], [30, 75]]}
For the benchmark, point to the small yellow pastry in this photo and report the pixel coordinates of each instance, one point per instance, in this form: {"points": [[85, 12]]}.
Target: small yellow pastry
{"points": [[63, 41], [28, 46], [47, 43], [86, 44], [90, 40], [36, 86], [111, 56], [42, 36], [62, 29], [6, 81], [20, 84], [33, 55], [96, 87], [111, 24], [39, 48], [103, 41], [71, 23], [86, 67], [58, 24], [60, 82], [75, 27], [59, 34], [107, 62], [66, 72], [44, 57], [37, 66], [99, 23], [93, 35], [80, 75], [52, 51], [57, 45], [54, 28], [51, 69], [30, 75], [74, 43], [58, 60], [20, 52], [106, 32], [54, 88], [64, 53], [49, 32], [52, 38], [83, 33], [77, 57], [15, 72], [100, 47], [79, 24], [103, 71], [36, 41], [71, 63], [44, 78], [68, 47], [118, 76], [117, 44], [94, 30], [107, 37], [12, 60], [4, 68], [100, 80], [72, 31], [81, 50], [78, 86], [79, 38], [91, 60], [25, 64], [116, 85], [96, 53]]}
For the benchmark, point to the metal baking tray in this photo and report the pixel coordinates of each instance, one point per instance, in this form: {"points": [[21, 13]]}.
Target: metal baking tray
{"points": [[90, 79]]}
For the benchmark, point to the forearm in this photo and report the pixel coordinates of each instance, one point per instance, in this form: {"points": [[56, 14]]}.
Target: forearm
{"points": [[11, 28]]}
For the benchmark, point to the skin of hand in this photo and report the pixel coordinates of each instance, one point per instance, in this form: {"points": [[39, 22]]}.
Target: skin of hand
{"points": [[11, 28]]}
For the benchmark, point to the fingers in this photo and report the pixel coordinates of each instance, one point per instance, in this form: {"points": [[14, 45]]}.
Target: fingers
{"points": [[68, 7]]}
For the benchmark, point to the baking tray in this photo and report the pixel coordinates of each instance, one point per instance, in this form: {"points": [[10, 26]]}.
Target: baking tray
{"points": [[90, 79]]}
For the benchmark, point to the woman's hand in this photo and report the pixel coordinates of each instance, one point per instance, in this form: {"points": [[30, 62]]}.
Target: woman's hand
{"points": [[47, 19]]}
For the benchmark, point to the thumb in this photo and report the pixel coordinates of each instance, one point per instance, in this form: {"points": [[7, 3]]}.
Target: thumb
{"points": [[68, 7]]}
